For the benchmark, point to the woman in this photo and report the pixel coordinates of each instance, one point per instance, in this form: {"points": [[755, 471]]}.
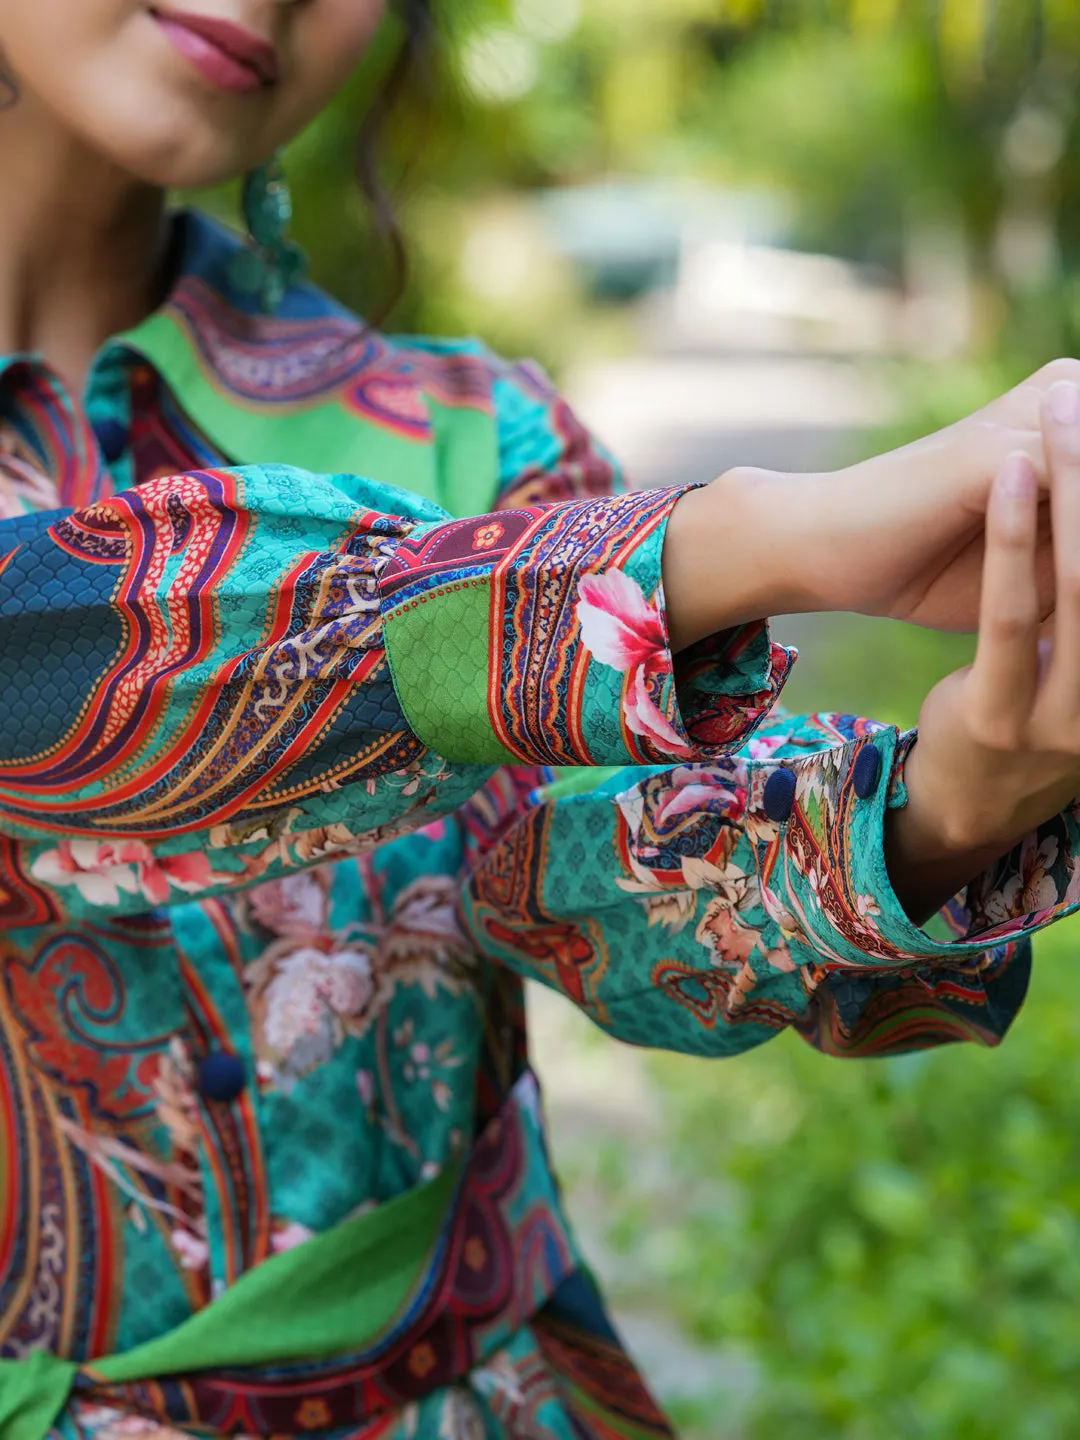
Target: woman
{"points": [[280, 828]]}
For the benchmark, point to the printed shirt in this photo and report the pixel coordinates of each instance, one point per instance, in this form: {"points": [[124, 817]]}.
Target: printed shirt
{"points": [[299, 776]]}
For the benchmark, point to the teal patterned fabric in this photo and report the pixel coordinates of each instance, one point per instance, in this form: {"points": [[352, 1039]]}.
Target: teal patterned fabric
{"points": [[266, 899]]}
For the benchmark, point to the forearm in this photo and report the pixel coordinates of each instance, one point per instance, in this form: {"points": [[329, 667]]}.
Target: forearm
{"points": [[726, 561], [926, 873], [720, 572], [966, 812]]}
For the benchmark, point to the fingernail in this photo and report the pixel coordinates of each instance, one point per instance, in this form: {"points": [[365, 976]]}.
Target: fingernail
{"points": [[1065, 402], [1018, 476]]}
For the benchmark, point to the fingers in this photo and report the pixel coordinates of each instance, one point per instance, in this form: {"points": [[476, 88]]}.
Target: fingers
{"points": [[1061, 426], [1005, 674]]}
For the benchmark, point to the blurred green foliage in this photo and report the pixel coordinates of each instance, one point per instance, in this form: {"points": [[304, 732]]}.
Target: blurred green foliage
{"points": [[894, 1244], [868, 113]]}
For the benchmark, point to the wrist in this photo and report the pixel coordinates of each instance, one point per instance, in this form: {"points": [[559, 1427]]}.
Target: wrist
{"points": [[795, 525], [936, 844], [734, 553], [927, 866]]}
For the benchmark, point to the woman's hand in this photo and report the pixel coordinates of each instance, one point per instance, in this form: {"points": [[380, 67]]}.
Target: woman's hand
{"points": [[998, 751], [901, 535]]}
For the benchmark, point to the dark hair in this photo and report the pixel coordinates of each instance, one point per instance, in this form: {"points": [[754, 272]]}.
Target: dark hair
{"points": [[410, 66]]}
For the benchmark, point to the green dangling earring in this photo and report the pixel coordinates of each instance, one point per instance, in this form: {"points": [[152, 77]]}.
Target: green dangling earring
{"points": [[271, 262]]}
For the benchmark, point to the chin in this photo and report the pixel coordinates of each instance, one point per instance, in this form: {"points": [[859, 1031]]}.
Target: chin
{"points": [[184, 170], [179, 156], [167, 134]]}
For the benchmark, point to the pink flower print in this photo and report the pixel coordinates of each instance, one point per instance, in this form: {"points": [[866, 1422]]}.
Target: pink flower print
{"points": [[412, 781], [103, 871], [764, 747], [420, 1056], [1033, 889], [868, 911], [423, 943], [644, 717], [287, 1235], [93, 869], [618, 625], [693, 788], [304, 1003], [1072, 890], [191, 873], [295, 904], [625, 631], [193, 1251], [682, 800]]}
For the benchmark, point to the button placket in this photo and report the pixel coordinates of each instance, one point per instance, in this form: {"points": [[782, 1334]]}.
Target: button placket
{"points": [[778, 798], [220, 1076], [112, 438], [866, 771]]}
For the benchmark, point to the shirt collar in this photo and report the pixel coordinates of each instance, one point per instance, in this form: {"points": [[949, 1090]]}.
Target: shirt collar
{"points": [[309, 386]]}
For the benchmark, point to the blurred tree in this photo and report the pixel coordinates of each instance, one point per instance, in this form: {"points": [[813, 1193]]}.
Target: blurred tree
{"points": [[876, 115]]}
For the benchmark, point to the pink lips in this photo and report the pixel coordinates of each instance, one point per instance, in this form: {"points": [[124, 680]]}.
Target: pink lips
{"points": [[225, 54]]}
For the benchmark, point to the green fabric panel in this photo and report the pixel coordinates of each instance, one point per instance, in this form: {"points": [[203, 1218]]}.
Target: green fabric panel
{"points": [[33, 1392], [335, 1293], [439, 655], [467, 458], [322, 436]]}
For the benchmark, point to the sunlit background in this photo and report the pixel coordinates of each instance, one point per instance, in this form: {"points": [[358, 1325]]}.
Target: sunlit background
{"points": [[779, 232]]}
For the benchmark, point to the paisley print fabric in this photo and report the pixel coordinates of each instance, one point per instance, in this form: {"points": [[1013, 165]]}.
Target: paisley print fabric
{"points": [[287, 809]]}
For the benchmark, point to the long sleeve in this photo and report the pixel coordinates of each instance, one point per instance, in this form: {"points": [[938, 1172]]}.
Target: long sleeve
{"points": [[581, 883], [706, 907], [218, 675]]}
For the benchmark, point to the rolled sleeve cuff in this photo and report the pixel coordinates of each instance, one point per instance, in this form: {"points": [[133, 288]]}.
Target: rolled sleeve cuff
{"points": [[881, 984], [819, 822], [539, 635]]}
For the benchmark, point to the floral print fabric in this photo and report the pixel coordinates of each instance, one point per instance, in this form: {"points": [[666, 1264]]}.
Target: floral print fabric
{"points": [[251, 813], [739, 924]]}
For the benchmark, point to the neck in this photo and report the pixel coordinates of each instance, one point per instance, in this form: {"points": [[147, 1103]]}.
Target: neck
{"points": [[81, 244]]}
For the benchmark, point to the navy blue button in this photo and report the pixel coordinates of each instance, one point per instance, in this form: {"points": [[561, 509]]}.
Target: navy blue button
{"points": [[112, 437], [219, 1076], [779, 796], [866, 772]]}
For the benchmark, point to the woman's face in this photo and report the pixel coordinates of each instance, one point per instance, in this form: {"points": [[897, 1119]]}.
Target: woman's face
{"points": [[186, 93]]}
